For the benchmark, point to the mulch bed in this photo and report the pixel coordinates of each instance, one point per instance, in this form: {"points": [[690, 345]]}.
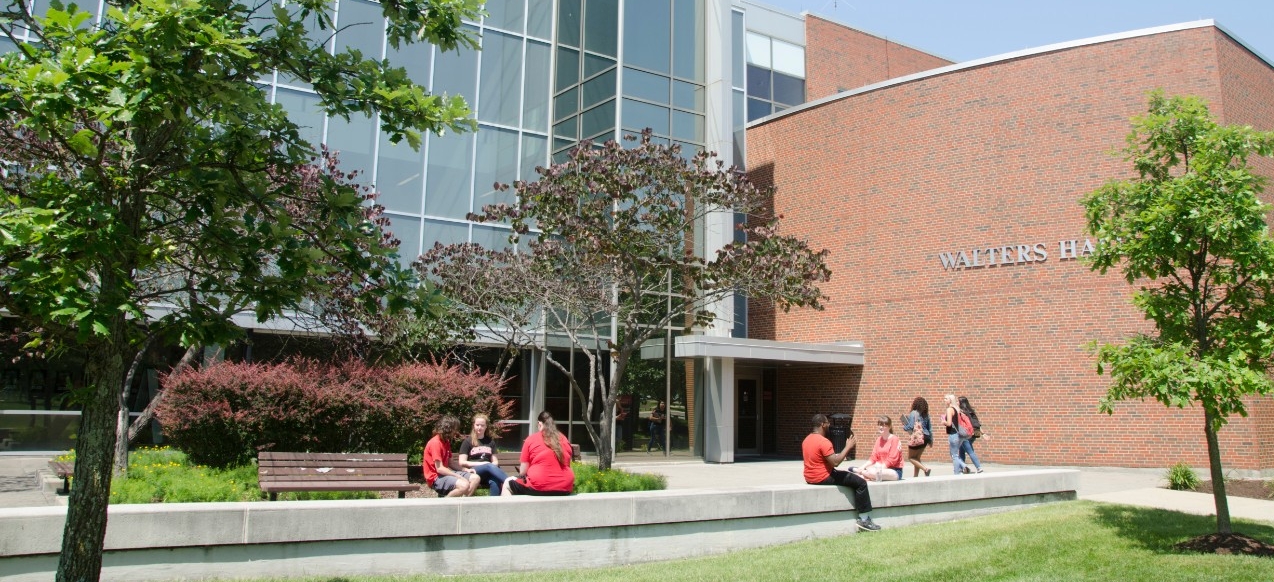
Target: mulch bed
{"points": [[1235, 543], [1252, 488]]}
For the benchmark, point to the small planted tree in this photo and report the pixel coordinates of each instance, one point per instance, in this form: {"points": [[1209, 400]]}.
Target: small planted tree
{"points": [[1191, 231], [607, 237]]}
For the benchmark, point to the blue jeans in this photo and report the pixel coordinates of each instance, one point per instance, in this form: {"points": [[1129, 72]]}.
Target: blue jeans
{"points": [[656, 436], [966, 446], [491, 474], [953, 441]]}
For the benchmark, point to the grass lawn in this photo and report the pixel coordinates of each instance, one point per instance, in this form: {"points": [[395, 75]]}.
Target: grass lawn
{"points": [[1064, 541]]}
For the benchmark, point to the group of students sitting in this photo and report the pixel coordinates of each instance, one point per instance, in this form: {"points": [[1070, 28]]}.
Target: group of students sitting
{"points": [[544, 468], [886, 462]]}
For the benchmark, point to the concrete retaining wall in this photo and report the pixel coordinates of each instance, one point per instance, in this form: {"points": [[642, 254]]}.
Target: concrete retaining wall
{"points": [[452, 536]]}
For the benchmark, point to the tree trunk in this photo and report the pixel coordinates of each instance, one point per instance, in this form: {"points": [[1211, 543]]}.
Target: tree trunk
{"points": [[1218, 478], [85, 530], [121, 416]]}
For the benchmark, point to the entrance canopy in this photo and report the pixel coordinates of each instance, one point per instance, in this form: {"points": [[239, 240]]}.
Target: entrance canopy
{"points": [[751, 350]]}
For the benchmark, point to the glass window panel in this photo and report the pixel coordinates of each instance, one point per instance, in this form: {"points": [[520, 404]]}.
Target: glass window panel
{"points": [[740, 119], [303, 109], [535, 98], [362, 28], [689, 150], [414, 58], [535, 152], [504, 14], [492, 237], [758, 49], [638, 116], [789, 58], [501, 88], [601, 26], [758, 82], [599, 120], [353, 140], [687, 95], [448, 183], [399, 176], [687, 126], [568, 21], [758, 109], [497, 161], [736, 48], [567, 68], [456, 72], [539, 22], [447, 233], [788, 90], [6, 45], [560, 148], [645, 85], [407, 230], [648, 35], [566, 104], [567, 128], [688, 43], [598, 89], [594, 64]]}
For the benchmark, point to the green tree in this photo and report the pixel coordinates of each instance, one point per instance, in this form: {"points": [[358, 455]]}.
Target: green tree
{"points": [[150, 188], [606, 235], [1190, 229]]}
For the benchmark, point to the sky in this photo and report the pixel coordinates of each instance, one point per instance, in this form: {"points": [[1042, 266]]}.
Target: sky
{"points": [[962, 30]]}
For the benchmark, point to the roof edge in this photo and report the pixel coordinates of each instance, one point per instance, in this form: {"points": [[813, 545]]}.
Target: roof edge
{"points": [[1003, 58]]}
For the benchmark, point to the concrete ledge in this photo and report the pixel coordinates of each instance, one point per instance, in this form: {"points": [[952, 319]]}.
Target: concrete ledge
{"points": [[446, 536]]}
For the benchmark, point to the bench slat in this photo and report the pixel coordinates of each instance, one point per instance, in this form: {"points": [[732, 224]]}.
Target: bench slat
{"points": [[331, 457], [338, 486]]}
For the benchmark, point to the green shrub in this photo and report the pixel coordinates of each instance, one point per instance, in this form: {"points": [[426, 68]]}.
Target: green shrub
{"points": [[164, 475], [1182, 478], [589, 480]]}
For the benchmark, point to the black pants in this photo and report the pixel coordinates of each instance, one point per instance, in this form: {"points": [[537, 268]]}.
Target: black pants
{"points": [[862, 501]]}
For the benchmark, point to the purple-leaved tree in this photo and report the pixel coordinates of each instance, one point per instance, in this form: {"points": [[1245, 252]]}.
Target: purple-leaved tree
{"points": [[599, 242]]}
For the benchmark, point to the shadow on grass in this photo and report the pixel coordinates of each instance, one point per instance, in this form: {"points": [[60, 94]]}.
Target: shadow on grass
{"points": [[1158, 529]]}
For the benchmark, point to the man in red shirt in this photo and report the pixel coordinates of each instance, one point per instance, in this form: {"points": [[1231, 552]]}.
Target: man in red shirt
{"points": [[437, 462], [820, 469]]}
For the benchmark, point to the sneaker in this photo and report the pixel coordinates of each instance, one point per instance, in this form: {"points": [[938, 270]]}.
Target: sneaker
{"points": [[979, 469], [966, 470], [927, 472], [867, 525]]}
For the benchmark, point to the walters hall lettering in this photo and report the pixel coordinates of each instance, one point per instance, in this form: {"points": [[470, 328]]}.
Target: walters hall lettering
{"points": [[978, 258]]}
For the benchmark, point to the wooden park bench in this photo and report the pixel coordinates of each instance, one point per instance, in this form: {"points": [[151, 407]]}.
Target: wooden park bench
{"points": [[64, 471], [279, 472]]}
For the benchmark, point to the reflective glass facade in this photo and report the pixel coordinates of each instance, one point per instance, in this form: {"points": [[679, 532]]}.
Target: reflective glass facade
{"points": [[549, 74]]}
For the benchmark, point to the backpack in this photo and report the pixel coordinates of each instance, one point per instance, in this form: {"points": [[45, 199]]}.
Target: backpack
{"points": [[967, 409], [964, 426]]}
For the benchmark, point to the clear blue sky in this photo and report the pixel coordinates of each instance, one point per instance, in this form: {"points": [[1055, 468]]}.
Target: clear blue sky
{"points": [[963, 30]]}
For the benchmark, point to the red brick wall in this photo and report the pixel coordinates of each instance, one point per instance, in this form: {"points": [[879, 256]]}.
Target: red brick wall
{"points": [[1246, 90], [837, 57], [991, 156]]}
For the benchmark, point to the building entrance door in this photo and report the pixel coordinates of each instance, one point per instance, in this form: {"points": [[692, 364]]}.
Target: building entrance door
{"points": [[747, 436]]}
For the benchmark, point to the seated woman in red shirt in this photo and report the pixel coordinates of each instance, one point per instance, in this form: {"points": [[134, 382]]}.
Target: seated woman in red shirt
{"points": [[885, 463], [546, 463]]}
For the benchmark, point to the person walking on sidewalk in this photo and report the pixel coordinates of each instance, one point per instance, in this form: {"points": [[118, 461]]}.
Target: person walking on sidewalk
{"points": [[658, 417], [821, 461]]}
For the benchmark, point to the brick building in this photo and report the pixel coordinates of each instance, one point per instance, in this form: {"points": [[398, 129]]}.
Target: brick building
{"points": [[950, 202]]}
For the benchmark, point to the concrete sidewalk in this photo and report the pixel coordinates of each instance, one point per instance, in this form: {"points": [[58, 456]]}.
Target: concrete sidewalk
{"points": [[27, 482]]}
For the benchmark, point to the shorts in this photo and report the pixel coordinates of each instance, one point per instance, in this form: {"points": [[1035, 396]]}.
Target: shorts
{"points": [[517, 487], [445, 483]]}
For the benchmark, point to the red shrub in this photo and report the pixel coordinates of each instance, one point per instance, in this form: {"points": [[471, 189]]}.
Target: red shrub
{"points": [[223, 414]]}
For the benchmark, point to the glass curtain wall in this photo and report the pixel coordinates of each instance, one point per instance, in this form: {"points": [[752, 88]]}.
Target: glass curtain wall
{"points": [[775, 75]]}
